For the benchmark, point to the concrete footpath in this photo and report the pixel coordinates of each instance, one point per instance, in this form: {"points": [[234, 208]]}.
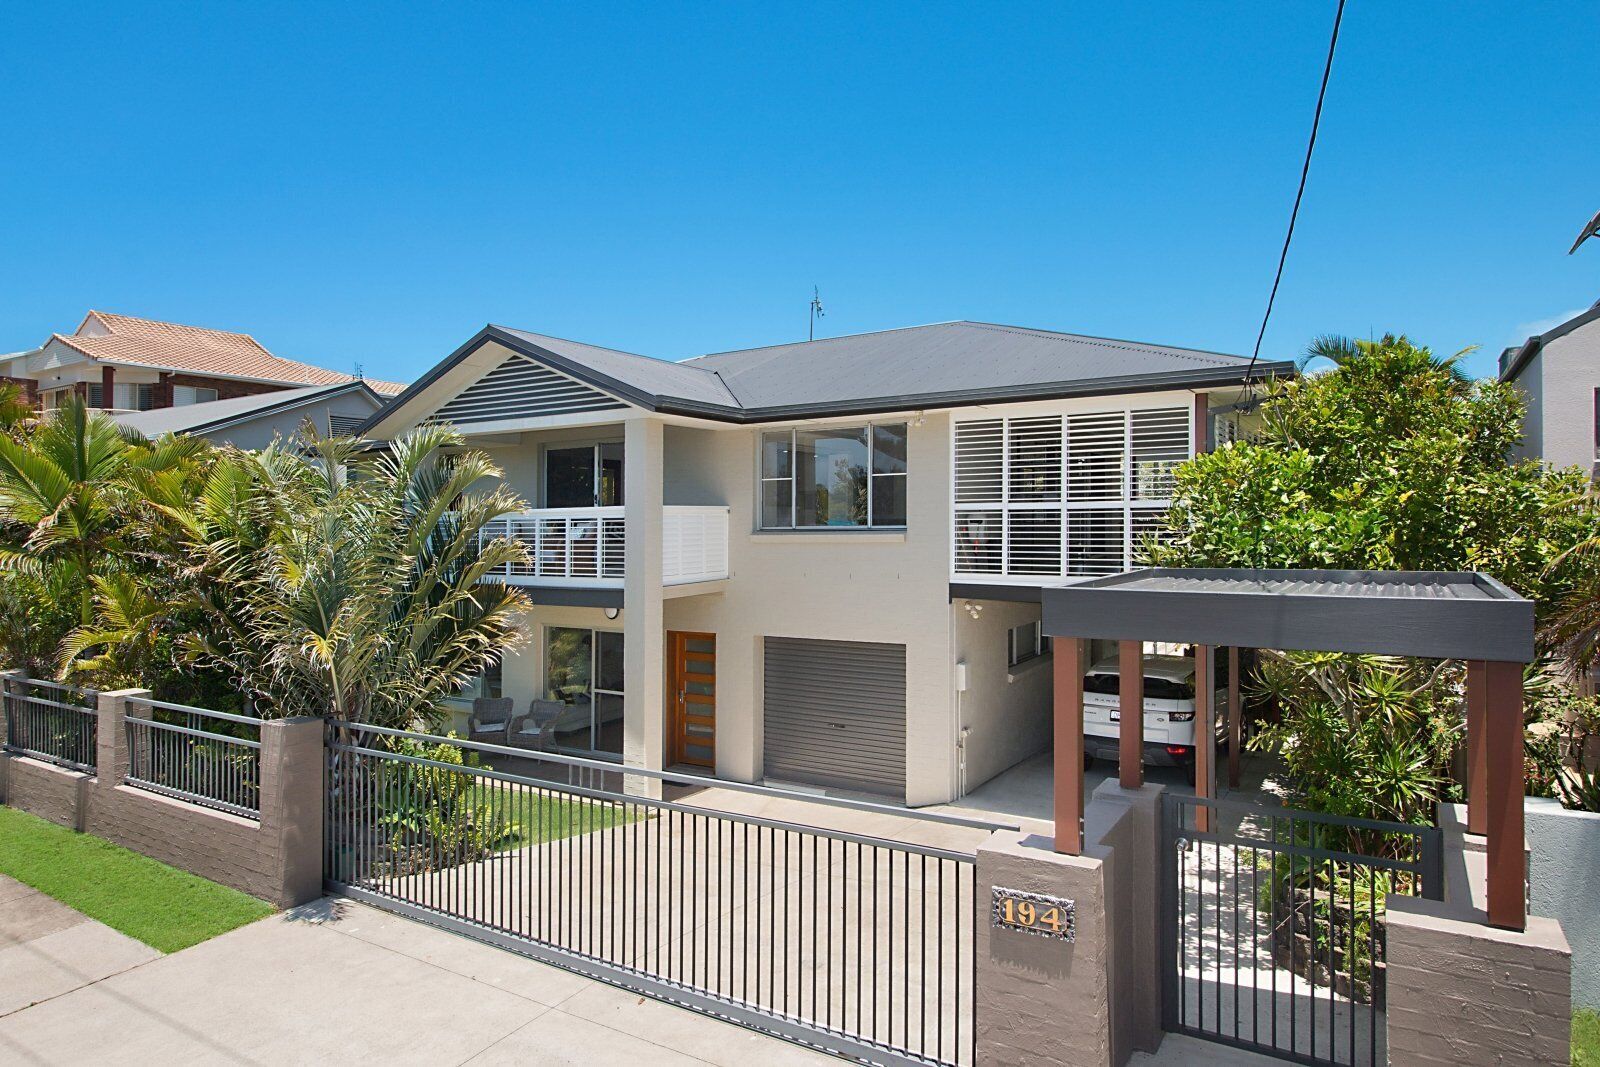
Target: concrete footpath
{"points": [[47, 949], [342, 982]]}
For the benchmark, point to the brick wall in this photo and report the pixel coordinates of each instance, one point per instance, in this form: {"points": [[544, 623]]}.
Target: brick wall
{"points": [[226, 388], [277, 858], [1463, 992]]}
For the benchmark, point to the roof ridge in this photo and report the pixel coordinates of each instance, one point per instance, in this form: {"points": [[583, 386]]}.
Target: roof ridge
{"points": [[103, 315], [1108, 342], [820, 340]]}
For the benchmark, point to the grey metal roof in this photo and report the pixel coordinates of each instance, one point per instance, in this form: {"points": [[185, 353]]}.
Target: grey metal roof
{"points": [[655, 377], [1433, 614], [947, 359], [194, 418], [948, 364]]}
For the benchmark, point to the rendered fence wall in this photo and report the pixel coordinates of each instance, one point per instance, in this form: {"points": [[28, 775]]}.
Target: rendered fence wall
{"points": [[1564, 866], [277, 858]]}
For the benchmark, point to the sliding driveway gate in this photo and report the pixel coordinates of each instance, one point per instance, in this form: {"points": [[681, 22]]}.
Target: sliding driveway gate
{"points": [[855, 944], [1273, 923]]}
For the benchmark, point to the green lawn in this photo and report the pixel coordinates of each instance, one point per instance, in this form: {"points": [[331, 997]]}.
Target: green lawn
{"points": [[540, 817], [1586, 1039], [164, 907]]}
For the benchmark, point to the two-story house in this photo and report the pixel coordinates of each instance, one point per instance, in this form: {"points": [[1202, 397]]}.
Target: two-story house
{"points": [[1558, 371], [819, 563], [125, 364]]}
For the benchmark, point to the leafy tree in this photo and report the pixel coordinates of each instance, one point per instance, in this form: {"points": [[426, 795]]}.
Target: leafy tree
{"points": [[1392, 460]]}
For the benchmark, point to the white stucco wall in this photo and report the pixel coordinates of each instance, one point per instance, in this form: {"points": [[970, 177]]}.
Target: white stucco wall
{"points": [[833, 585], [1564, 884], [1559, 385], [1006, 713]]}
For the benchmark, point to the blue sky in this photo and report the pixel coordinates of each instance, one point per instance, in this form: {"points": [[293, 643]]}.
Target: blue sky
{"points": [[371, 185]]}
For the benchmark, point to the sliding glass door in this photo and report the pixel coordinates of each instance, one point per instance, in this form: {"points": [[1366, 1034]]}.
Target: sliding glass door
{"points": [[583, 670], [586, 476]]}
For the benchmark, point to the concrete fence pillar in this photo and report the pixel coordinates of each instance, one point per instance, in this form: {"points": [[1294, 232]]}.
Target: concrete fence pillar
{"points": [[111, 736], [293, 792], [1093, 1000]]}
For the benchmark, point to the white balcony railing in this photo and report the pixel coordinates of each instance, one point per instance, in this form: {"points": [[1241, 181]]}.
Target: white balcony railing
{"points": [[586, 546]]}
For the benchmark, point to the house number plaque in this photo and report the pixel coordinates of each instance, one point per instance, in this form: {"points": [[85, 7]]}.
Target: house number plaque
{"points": [[1032, 913]]}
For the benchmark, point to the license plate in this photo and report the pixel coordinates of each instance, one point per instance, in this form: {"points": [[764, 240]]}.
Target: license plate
{"points": [[1116, 715]]}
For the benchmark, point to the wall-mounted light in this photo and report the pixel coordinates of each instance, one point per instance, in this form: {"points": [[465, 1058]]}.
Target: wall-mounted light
{"points": [[612, 613], [974, 609]]}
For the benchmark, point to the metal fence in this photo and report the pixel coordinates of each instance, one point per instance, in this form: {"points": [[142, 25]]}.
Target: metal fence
{"points": [[209, 758], [856, 944], [1273, 922], [51, 721]]}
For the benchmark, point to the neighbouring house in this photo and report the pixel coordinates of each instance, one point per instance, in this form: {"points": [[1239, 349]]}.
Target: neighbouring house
{"points": [[1559, 372], [121, 363], [820, 563], [255, 421]]}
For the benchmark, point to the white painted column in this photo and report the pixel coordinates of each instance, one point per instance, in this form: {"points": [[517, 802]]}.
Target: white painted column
{"points": [[644, 635]]}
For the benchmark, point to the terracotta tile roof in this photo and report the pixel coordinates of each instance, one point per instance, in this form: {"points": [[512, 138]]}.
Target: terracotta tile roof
{"points": [[172, 346]]}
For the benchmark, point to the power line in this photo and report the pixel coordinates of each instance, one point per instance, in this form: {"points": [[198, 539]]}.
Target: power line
{"points": [[1305, 169]]}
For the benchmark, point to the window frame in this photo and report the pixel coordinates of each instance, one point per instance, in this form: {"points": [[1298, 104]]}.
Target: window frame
{"points": [[870, 431], [595, 690], [1038, 648]]}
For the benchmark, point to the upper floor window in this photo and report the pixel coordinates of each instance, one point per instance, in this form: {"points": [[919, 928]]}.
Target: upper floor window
{"points": [[192, 394], [136, 396], [835, 477], [1055, 496]]}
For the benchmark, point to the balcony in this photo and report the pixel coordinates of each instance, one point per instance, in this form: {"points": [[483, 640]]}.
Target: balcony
{"points": [[585, 547]]}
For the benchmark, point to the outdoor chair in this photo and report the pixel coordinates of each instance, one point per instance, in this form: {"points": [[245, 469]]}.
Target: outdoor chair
{"points": [[490, 719], [536, 727]]}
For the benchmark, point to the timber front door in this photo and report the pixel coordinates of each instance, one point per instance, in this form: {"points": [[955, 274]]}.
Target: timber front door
{"points": [[694, 698]]}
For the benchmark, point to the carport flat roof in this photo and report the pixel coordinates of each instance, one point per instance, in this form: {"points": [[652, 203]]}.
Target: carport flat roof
{"points": [[1433, 614]]}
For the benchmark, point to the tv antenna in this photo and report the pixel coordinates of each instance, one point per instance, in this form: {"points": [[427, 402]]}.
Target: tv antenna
{"points": [[816, 313]]}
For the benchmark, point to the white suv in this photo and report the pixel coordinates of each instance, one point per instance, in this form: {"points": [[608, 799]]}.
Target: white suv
{"points": [[1168, 711]]}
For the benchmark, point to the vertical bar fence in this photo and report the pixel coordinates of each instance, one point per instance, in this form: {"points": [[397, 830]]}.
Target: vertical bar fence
{"points": [[855, 944], [1273, 925], [209, 758], [51, 721]]}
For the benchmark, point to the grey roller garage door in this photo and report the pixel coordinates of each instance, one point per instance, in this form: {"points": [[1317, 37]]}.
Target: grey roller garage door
{"points": [[835, 714]]}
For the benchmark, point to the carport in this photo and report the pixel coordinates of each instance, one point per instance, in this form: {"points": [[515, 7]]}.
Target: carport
{"points": [[1426, 614]]}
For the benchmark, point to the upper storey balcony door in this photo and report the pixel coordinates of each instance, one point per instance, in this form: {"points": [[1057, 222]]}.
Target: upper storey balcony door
{"points": [[585, 476]]}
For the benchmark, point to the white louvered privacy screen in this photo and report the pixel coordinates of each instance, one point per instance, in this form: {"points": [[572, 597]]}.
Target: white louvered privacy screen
{"points": [[1063, 496]]}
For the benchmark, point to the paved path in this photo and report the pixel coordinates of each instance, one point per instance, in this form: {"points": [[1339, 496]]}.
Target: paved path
{"points": [[47, 949], [341, 982]]}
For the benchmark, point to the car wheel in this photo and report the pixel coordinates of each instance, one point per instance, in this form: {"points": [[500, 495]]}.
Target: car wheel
{"points": [[1189, 773], [1088, 760]]}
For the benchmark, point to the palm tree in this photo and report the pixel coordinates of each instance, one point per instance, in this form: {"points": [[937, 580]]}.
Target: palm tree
{"points": [[1571, 629], [1342, 351], [65, 489], [337, 582]]}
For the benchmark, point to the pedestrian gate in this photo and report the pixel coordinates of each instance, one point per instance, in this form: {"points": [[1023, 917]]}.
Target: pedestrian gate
{"points": [[1273, 925]]}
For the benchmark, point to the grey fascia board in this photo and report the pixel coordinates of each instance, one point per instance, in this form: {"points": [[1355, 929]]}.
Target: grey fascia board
{"points": [[1019, 594], [569, 596], [1532, 345], [1498, 629], [1133, 383], [286, 405]]}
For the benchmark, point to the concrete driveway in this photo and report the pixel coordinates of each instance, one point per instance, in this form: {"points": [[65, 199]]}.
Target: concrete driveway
{"points": [[342, 982]]}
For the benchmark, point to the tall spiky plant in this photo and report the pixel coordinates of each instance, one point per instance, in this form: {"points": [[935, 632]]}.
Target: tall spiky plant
{"points": [[337, 582]]}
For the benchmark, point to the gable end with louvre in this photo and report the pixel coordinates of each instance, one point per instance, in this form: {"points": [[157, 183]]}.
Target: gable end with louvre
{"points": [[519, 388]]}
